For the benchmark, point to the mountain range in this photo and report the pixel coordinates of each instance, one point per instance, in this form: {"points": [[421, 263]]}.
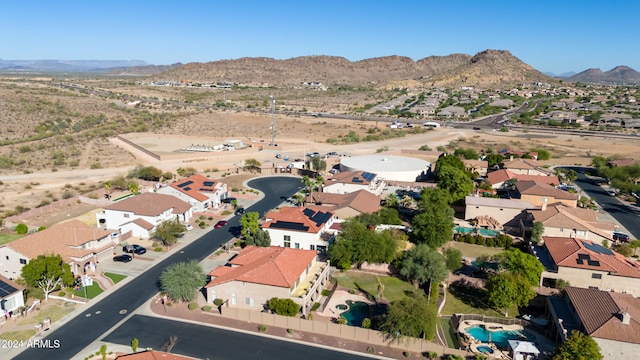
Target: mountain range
{"points": [[489, 68]]}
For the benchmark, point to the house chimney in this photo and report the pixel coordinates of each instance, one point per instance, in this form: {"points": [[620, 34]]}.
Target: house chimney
{"points": [[625, 317], [544, 205], [510, 157]]}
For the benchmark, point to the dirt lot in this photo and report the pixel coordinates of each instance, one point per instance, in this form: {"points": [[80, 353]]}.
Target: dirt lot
{"points": [[294, 137]]}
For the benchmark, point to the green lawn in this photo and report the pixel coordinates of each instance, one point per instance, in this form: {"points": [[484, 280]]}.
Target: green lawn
{"points": [[469, 300], [449, 334], [54, 313], [474, 251], [394, 288], [20, 335], [7, 238], [92, 291], [116, 278]]}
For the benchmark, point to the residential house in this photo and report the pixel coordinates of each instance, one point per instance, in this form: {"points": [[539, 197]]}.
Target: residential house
{"points": [[525, 167], [538, 193], [563, 221], [498, 178], [477, 166], [351, 181], [11, 296], [345, 206], [610, 318], [198, 191], [502, 210], [258, 274], [587, 264], [300, 228], [80, 245], [142, 213]]}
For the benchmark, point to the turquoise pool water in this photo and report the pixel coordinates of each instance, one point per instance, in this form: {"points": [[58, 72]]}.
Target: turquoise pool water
{"points": [[485, 349], [357, 312], [472, 230], [499, 337]]}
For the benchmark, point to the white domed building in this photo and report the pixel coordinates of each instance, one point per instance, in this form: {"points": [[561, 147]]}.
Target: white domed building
{"points": [[388, 167]]}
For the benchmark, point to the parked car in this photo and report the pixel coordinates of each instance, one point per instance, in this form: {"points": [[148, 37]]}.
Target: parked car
{"points": [[239, 211], [122, 258], [228, 200], [135, 249], [189, 227], [476, 128], [620, 237], [220, 224], [611, 192]]}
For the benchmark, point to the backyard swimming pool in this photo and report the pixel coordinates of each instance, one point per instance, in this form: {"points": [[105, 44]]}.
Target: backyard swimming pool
{"points": [[357, 312], [499, 337], [473, 230], [485, 349]]}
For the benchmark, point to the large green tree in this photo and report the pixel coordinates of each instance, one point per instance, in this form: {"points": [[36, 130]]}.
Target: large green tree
{"points": [[47, 273], [453, 258], [182, 280], [258, 238], [423, 265], [284, 307], [358, 242], [505, 290], [520, 263], [456, 182], [410, 316], [433, 225], [578, 346], [249, 223], [149, 173], [537, 229], [168, 232]]}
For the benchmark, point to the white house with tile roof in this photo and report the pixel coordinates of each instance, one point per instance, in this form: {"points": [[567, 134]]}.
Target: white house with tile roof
{"points": [[198, 191], [300, 228], [11, 296], [142, 213], [258, 274], [80, 245], [347, 182]]}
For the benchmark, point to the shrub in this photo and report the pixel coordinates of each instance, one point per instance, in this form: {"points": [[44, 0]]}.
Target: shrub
{"points": [[310, 317], [206, 308], [491, 242], [406, 354], [315, 306], [210, 218], [192, 306], [202, 224], [286, 307], [62, 294], [366, 323], [157, 249], [371, 350], [326, 292], [290, 331], [480, 240], [21, 229], [42, 228], [218, 302], [262, 328], [154, 244], [342, 320]]}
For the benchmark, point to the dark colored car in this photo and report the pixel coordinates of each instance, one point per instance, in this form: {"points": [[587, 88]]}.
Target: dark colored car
{"points": [[228, 200], [620, 237], [239, 211], [135, 249], [122, 258], [476, 128], [220, 224]]}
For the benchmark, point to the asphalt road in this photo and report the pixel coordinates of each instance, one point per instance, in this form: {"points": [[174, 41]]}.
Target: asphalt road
{"points": [[627, 215], [205, 342], [89, 326]]}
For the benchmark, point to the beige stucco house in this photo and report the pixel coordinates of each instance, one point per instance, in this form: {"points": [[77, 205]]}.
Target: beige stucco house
{"points": [[80, 245], [258, 274], [502, 210], [345, 206], [538, 193]]}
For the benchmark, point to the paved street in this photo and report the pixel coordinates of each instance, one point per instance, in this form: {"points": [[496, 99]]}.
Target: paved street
{"points": [[76, 334]]}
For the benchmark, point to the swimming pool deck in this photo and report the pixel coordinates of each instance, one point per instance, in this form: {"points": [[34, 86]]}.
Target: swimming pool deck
{"points": [[340, 297]]}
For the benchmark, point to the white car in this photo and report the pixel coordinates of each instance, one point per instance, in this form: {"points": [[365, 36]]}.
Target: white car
{"points": [[189, 227], [611, 192]]}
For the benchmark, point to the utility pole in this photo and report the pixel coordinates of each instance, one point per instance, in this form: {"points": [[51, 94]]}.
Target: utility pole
{"points": [[273, 129]]}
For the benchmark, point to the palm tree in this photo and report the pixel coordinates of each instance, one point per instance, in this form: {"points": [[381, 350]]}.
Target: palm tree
{"points": [[299, 199], [308, 184], [107, 187], [134, 187], [319, 183]]}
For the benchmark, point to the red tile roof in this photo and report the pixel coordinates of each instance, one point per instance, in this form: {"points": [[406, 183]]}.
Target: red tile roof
{"points": [[584, 254], [198, 184], [348, 177], [361, 201], [532, 187], [150, 204], [302, 219], [600, 313], [273, 266], [64, 239]]}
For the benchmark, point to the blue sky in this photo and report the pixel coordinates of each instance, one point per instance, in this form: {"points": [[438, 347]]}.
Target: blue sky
{"points": [[555, 36]]}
